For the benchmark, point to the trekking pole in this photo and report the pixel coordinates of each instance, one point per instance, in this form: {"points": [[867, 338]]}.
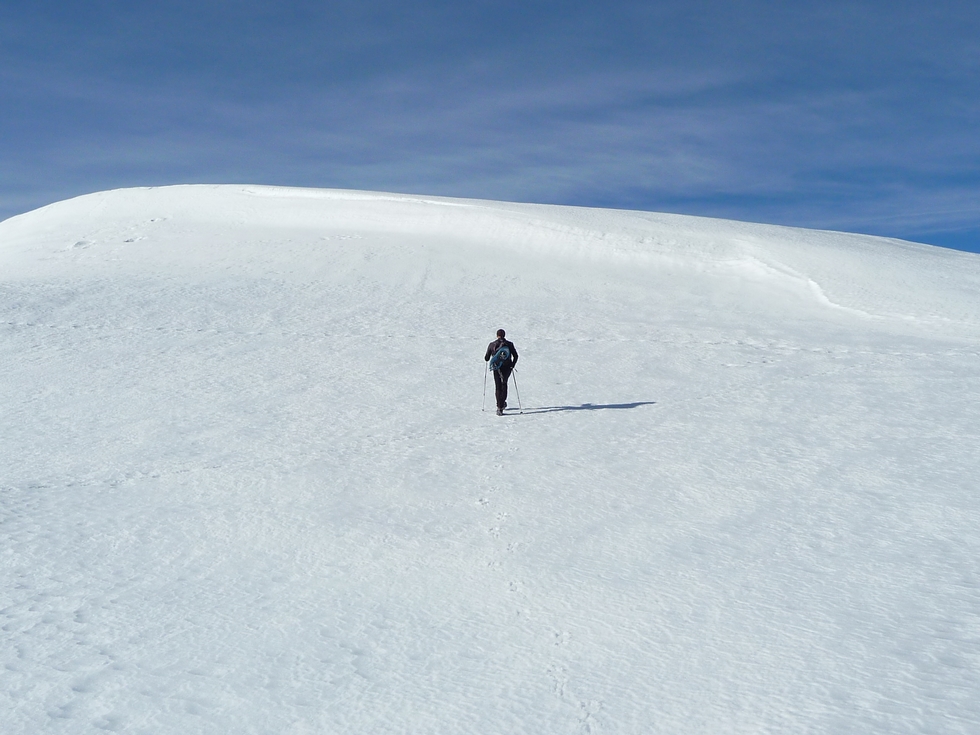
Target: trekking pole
{"points": [[520, 407], [484, 408]]}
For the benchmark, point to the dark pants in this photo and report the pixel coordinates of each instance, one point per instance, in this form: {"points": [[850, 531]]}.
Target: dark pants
{"points": [[500, 378]]}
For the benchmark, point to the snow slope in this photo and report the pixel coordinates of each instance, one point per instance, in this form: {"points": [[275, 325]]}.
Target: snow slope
{"points": [[246, 484]]}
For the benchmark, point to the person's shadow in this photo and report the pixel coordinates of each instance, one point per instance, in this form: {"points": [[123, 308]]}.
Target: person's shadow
{"points": [[588, 407]]}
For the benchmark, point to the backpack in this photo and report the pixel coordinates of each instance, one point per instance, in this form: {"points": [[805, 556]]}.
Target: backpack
{"points": [[501, 358]]}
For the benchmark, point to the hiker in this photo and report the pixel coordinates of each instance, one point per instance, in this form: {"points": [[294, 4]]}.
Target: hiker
{"points": [[502, 356]]}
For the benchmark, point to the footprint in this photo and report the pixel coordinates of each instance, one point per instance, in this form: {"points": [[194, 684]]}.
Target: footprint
{"points": [[587, 720]]}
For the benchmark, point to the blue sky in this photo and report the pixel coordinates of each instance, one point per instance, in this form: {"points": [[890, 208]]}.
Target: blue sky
{"points": [[858, 116]]}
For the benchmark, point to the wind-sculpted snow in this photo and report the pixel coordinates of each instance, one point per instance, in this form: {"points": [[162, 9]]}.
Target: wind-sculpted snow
{"points": [[247, 485]]}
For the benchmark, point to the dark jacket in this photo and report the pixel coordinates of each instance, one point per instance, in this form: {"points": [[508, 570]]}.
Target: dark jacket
{"points": [[496, 345]]}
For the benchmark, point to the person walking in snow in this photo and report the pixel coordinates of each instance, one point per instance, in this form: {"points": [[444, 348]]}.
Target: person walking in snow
{"points": [[502, 357]]}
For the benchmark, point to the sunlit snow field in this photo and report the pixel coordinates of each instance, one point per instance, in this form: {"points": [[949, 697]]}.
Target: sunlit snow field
{"points": [[247, 484]]}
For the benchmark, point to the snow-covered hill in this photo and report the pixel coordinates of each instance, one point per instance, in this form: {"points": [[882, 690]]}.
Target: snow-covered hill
{"points": [[247, 486]]}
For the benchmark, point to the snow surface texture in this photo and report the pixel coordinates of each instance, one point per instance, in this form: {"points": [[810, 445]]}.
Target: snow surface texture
{"points": [[247, 485]]}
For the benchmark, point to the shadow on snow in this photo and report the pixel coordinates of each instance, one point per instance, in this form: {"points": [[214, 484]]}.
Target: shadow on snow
{"points": [[587, 407]]}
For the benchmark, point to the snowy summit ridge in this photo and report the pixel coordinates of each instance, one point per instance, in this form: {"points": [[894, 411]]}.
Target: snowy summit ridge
{"points": [[247, 484]]}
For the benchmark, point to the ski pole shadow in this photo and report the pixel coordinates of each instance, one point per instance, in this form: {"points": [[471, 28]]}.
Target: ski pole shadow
{"points": [[588, 407]]}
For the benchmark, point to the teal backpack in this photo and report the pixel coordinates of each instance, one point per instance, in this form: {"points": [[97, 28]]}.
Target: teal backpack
{"points": [[501, 358]]}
